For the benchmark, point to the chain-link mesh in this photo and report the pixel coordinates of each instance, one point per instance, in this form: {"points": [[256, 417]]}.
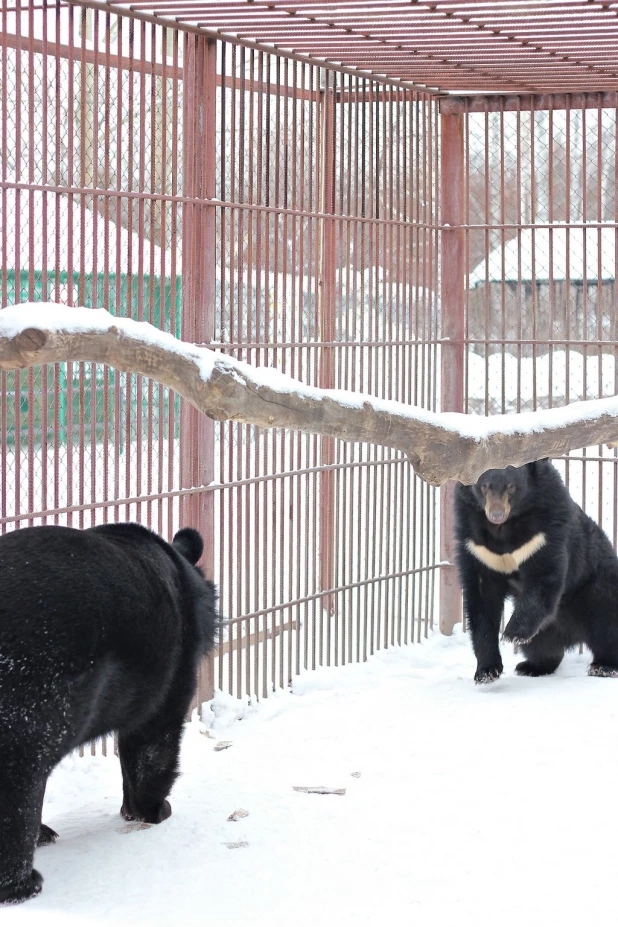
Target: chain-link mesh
{"points": [[541, 246]]}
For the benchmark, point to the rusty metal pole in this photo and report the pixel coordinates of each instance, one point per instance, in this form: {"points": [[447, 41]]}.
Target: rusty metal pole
{"points": [[452, 339], [197, 433]]}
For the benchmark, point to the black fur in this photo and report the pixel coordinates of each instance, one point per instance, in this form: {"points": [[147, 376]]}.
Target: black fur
{"points": [[100, 630], [565, 594]]}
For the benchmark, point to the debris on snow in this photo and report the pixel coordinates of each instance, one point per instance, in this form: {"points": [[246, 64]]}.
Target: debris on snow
{"points": [[222, 745], [238, 814], [318, 790]]}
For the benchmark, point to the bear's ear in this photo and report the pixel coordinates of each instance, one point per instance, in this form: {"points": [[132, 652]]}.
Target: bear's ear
{"points": [[189, 543]]}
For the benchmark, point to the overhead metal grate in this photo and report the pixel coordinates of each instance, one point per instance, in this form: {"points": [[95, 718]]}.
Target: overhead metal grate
{"points": [[498, 46]]}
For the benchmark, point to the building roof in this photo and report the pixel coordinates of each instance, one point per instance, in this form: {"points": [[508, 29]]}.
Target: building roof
{"points": [[47, 231], [557, 254]]}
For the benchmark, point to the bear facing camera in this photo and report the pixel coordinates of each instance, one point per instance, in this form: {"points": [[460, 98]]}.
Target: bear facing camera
{"points": [[519, 534], [100, 630]]}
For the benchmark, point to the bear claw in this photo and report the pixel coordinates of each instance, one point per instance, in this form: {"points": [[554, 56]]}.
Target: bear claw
{"points": [[46, 836], [596, 669], [487, 675], [520, 641]]}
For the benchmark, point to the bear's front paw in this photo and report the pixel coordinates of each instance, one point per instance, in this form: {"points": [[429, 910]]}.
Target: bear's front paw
{"points": [[519, 631], [46, 836], [23, 890], [485, 674], [154, 815]]}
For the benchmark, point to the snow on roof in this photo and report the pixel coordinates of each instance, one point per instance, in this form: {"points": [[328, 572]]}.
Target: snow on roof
{"points": [[576, 254], [38, 232]]}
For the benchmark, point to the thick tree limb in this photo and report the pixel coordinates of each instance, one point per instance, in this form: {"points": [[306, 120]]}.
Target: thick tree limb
{"points": [[439, 446]]}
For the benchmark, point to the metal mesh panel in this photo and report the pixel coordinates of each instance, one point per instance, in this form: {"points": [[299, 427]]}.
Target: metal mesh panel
{"points": [[282, 212], [541, 246], [286, 212], [325, 229], [89, 115]]}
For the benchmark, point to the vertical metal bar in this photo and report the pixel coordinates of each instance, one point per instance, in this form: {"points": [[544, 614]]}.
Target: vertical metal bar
{"points": [[95, 70], [174, 282], [31, 261], [268, 276], [261, 328], [326, 312], [197, 462], [567, 274], [519, 218], [452, 340], [118, 397], [585, 309], [56, 294], [129, 166], [224, 441], [502, 220], [107, 108], [599, 291], [551, 285], [613, 330]]}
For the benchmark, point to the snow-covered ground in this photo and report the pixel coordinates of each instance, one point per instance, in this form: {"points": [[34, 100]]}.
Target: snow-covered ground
{"points": [[473, 805]]}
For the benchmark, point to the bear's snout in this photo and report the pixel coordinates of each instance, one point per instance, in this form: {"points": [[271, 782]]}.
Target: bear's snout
{"points": [[497, 508]]}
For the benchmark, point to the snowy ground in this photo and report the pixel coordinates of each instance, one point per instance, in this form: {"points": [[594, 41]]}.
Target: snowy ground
{"points": [[474, 805]]}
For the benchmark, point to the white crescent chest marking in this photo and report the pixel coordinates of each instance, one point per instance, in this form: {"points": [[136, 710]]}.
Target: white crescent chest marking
{"points": [[507, 563]]}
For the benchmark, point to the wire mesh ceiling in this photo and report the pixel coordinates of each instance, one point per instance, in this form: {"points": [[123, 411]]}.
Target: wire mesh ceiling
{"points": [[448, 45]]}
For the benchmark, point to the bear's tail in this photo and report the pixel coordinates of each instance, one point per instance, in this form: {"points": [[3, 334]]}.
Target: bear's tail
{"points": [[189, 543]]}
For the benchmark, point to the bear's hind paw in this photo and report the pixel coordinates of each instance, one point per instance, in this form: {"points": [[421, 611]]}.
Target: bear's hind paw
{"points": [[26, 889], [526, 668], [597, 669]]}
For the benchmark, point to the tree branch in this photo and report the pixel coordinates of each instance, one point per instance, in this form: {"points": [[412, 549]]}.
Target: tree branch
{"points": [[439, 446]]}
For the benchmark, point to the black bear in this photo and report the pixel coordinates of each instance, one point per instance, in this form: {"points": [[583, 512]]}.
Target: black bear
{"points": [[101, 630], [519, 534]]}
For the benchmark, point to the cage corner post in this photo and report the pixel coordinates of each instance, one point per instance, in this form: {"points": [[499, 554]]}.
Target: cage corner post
{"points": [[197, 432], [451, 338]]}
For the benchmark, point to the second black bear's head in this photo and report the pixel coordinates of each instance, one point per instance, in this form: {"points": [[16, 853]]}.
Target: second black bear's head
{"points": [[502, 493]]}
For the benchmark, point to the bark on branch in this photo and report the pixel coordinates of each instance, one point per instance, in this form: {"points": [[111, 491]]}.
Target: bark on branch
{"points": [[439, 446]]}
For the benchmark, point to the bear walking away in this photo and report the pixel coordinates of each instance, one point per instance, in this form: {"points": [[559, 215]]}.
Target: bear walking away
{"points": [[100, 630], [519, 534]]}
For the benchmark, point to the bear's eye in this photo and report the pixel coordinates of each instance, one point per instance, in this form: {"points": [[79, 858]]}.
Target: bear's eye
{"points": [[484, 487], [511, 487]]}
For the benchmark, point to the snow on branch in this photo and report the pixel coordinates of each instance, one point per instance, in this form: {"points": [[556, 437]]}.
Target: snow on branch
{"points": [[440, 446]]}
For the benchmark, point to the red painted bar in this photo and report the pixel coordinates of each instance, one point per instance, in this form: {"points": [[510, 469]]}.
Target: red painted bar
{"points": [[197, 442], [452, 350]]}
